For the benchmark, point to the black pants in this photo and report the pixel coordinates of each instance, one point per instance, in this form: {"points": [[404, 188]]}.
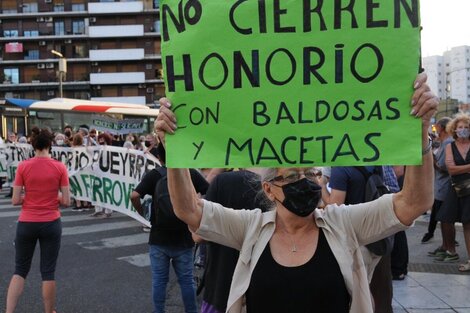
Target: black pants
{"points": [[432, 220], [400, 254], [381, 286], [27, 235]]}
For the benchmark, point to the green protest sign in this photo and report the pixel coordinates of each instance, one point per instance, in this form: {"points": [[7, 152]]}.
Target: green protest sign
{"points": [[290, 82]]}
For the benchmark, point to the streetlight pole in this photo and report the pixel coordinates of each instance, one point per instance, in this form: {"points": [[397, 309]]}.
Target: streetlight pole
{"points": [[62, 70]]}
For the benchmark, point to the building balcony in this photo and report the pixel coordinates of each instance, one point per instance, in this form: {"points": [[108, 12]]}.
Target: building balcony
{"points": [[29, 15], [115, 7], [45, 38], [117, 78], [41, 61], [147, 57], [37, 85], [116, 54], [116, 31], [128, 11], [70, 85]]}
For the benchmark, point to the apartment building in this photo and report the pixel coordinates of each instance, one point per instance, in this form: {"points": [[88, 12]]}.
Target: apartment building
{"points": [[449, 74], [112, 49]]}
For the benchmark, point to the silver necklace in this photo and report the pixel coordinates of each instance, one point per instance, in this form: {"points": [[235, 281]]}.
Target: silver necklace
{"points": [[294, 246]]}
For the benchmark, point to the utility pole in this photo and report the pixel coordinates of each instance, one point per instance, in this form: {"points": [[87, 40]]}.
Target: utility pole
{"points": [[62, 70]]}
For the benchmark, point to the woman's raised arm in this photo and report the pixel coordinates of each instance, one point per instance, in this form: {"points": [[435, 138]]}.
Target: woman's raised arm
{"points": [[417, 194], [186, 204]]}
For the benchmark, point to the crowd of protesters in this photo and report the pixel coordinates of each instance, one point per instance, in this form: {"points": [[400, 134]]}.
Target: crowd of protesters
{"points": [[452, 188], [451, 153], [82, 136]]}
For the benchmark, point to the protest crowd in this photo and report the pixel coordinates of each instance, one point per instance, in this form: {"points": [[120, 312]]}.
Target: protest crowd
{"points": [[239, 189], [269, 240]]}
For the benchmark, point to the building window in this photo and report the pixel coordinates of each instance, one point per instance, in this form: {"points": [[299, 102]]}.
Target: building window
{"points": [[31, 33], [78, 7], [11, 75], [78, 27], [59, 7], [156, 4], [10, 33], [59, 28], [32, 55], [5, 11], [30, 7], [79, 51], [156, 26]]}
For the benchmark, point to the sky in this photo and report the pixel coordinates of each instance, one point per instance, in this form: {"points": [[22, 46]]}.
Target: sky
{"points": [[443, 23]]}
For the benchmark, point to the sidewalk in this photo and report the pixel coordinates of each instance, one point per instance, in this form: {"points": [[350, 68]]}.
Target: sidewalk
{"points": [[429, 292], [430, 286]]}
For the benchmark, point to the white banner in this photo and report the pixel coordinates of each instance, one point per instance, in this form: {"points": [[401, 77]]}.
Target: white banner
{"points": [[102, 175], [10, 155]]}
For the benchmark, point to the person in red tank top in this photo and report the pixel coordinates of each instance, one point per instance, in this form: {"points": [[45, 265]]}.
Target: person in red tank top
{"points": [[45, 184]]}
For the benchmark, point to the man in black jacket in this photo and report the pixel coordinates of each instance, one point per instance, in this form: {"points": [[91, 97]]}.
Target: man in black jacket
{"points": [[169, 239]]}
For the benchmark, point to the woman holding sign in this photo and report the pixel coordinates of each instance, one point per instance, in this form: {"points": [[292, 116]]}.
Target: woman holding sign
{"points": [[297, 258], [46, 186]]}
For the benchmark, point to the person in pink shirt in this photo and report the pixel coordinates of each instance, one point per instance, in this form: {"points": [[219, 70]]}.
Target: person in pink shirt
{"points": [[45, 184]]}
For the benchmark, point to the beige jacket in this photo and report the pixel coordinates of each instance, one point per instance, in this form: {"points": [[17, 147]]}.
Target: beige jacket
{"points": [[346, 228]]}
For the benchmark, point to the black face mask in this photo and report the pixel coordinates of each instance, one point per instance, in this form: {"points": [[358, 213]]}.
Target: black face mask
{"points": [[301, 197], [147, 143]]}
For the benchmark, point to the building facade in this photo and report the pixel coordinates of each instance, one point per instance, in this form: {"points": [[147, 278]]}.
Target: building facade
{"points": [[112, 49], [449, 75]]}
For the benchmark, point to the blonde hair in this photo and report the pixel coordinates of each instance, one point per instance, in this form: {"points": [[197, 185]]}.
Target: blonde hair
{"points": [[452, 125]]}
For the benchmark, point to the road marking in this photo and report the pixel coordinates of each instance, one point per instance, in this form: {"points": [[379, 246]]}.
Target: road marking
{"points": [[67, 231], [10, 214], [140, 260], [65, 219], [115, 242], [9, 206]]}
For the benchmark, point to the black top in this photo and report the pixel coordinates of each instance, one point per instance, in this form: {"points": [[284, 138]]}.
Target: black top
{"points": [[459, 160], [147, 183], [237, 190], [314, 287], [169, 231]]}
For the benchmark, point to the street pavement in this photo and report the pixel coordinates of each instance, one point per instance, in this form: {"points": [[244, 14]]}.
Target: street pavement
{"points": [[432, 286], [104, 267]]}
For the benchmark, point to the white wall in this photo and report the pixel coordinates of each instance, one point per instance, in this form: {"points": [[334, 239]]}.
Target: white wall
{"points": [[115, 7], [132, 100], [116, 31], [116, 54], [117, 78], [434, 68]]}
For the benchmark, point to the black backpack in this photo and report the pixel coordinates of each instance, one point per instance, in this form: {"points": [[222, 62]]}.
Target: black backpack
{"points": [[163, 216], [375, 188], [375, 185]]}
